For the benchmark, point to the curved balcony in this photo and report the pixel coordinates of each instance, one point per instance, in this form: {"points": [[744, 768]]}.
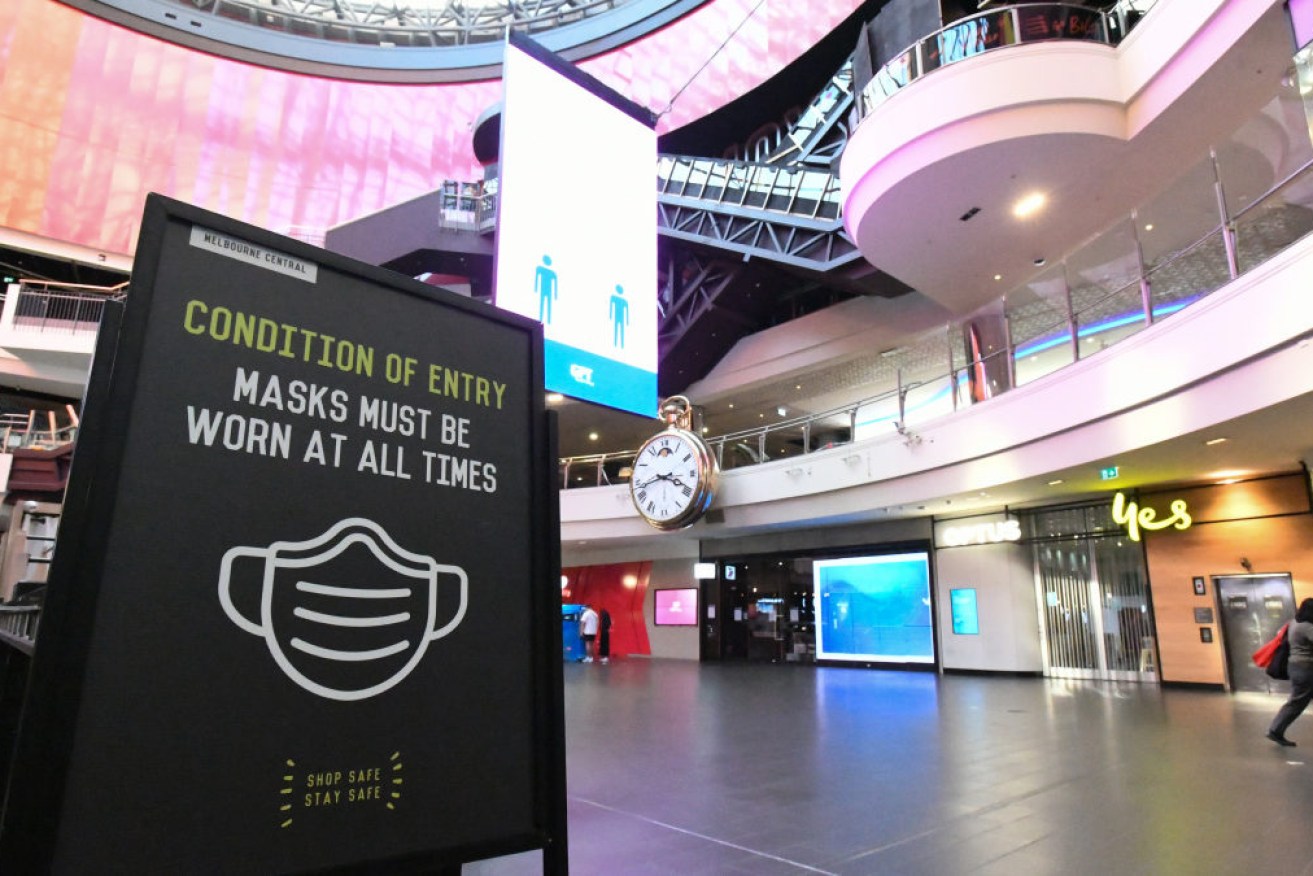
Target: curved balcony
{"points": [[1119, 283], [997, 29]]}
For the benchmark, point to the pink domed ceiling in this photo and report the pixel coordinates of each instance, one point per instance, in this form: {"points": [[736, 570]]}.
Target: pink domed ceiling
{"points": [[93, 117]]}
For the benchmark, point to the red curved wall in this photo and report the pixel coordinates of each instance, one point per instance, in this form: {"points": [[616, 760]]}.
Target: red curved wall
{"points": [[93, 117], [604, 587]]}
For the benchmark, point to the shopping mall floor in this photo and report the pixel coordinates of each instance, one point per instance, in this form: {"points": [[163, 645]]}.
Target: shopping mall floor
{"points": [[684, 768]]}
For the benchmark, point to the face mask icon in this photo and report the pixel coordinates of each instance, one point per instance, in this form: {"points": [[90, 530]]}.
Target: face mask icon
{"points": [[347, 614]]}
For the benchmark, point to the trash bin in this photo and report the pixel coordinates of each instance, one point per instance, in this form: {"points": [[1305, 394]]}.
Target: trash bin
{"points": [[572, 647]]}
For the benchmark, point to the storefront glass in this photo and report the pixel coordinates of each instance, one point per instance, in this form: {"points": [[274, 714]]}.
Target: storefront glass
{"points": [[1095, 613]]}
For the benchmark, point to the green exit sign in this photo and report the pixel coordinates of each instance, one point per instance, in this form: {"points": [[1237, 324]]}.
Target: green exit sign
{"points": [[1108, 474]]}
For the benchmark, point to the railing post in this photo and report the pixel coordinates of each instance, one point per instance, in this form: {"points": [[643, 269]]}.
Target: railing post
{"points": [[761, 446], [952, 373], [1228, 232], [902, 408], [1146, 287], [1073, 327], [1009, 349], [807, 437]]}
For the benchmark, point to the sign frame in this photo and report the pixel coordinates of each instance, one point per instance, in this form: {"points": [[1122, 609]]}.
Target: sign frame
{"points": [[57, 683]]}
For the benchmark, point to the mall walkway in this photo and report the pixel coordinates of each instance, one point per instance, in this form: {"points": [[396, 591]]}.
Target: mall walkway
{"points": [[681, 768]]}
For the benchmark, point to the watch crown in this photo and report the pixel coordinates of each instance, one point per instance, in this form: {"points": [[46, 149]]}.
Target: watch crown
{"points": [[677, 411]]}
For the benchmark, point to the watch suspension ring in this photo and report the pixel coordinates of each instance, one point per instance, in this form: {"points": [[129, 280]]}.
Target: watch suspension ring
{"points": [[677, 411]]}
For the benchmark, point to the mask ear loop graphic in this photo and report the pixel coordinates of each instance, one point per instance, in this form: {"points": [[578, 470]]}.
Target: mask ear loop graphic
{"points": [[225, 576], [464, 601]]}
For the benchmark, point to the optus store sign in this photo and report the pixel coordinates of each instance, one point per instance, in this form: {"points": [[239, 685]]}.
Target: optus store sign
{"points": [[1136, 519], [981, 533]]}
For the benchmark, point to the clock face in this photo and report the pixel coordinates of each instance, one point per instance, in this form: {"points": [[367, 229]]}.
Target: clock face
{"points": [[671, 482]]}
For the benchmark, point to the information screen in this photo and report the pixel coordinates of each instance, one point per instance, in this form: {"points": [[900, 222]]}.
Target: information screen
{"points": [[966, 620], [282, 576], [576, 228], [874, 609], [677, 608]]}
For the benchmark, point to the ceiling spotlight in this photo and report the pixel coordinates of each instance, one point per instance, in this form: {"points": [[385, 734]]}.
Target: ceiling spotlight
{"points": [[554, 398], [1029, 205], [1039, 261], [1055, 483], [593, 436], [1149, 227], [781, 410], [998, 277], [1214, 441]]}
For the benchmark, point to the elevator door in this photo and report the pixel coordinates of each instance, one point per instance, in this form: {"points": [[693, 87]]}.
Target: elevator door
{"points": [[1253, 608]]}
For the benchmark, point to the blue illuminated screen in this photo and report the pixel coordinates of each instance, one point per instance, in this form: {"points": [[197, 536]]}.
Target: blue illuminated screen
{"points": [[874, 609], [965, 620]]}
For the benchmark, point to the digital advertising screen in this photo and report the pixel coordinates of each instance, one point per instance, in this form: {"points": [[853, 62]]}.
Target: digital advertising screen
{"points": [[966, 620], [576, 228], [874, 609], [677, 608], [1301, 20]]}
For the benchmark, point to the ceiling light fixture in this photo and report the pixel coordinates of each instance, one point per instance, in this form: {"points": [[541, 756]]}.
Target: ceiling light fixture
{"points": [[998, 277], [554, 398], [593, 436], [1211, 442], [1055, 483], [1029, 205]]}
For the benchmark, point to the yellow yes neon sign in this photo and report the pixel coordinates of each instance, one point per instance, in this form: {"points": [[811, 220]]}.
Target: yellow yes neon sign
{"points": [[1135, 518]]}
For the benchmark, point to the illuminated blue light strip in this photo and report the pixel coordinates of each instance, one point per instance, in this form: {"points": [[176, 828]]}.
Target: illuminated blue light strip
{"points": [[961, 379], [1042, 344]]}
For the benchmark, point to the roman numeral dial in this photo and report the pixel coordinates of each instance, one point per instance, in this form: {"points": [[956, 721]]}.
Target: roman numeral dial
{"points": [[674, 479]]}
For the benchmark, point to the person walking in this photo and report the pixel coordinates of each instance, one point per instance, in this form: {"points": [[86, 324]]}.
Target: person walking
{"points": [[1300, 636], [604, 636], [588, 631]]}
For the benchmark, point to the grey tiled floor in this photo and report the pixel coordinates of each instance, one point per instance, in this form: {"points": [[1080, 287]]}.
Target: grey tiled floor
{"points": [[685, 768]]}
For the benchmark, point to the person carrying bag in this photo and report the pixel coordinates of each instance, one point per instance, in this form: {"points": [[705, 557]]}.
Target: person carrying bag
{"points": [[1298, 641]]}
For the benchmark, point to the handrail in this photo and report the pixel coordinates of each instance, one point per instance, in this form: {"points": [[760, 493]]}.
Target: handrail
{"points": [[44, 308], [995, 29], [19, 625], [751, 185], [95, 291]]}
